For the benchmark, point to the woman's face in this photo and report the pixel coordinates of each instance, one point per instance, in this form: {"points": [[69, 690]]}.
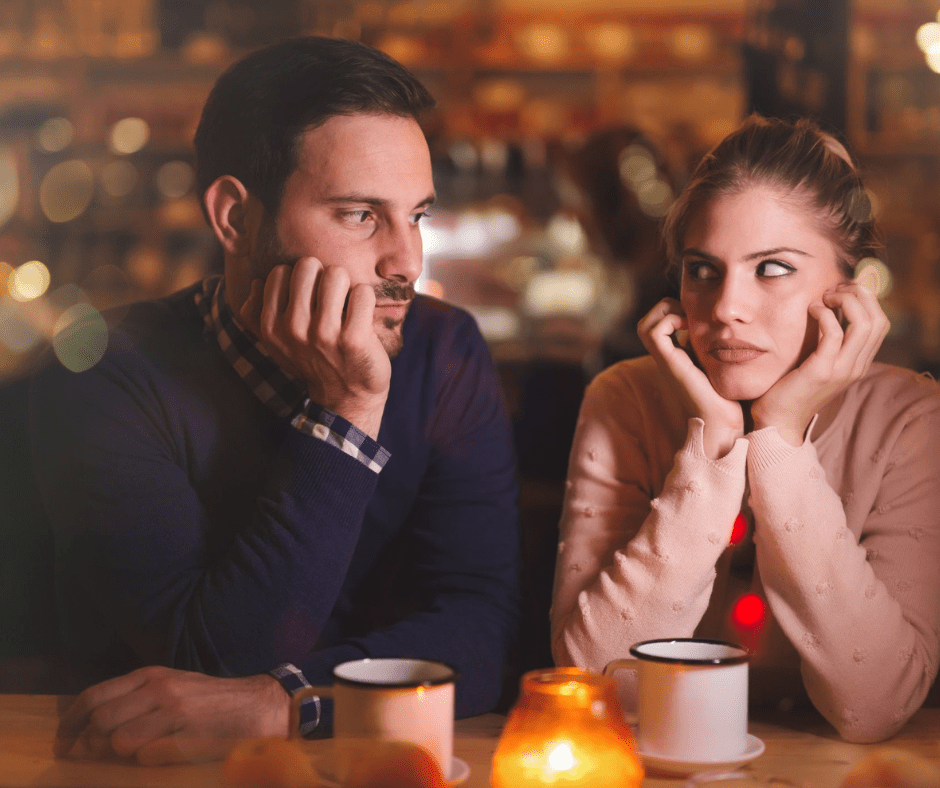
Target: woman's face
{"points": [[751, 264]]}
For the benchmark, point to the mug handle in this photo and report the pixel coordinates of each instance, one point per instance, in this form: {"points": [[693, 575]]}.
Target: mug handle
{"points": [[293, 731], [627, 663]]}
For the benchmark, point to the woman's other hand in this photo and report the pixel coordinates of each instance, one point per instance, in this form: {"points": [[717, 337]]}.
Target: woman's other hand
{"points": [[724, 419], [841, 357]]}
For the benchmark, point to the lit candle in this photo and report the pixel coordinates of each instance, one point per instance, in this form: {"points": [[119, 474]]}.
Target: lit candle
{"points": [[567, 730]]}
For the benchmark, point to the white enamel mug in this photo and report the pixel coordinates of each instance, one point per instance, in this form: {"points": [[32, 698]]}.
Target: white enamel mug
{"points": [[692, 698], [410, 700]]}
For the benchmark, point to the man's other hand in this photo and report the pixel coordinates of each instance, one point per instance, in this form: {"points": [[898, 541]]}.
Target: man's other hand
{"points": [[158, 715]]}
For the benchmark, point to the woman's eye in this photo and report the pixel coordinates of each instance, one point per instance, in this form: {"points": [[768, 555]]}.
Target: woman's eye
{"points": [[773, 268], [700, 271]]}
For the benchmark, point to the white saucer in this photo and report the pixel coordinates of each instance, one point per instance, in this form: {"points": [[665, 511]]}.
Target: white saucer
{"points": [[459, 770], [665, 765]]}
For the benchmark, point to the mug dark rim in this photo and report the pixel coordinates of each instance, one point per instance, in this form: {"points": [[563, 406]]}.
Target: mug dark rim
{"points": [[735, 660], [454, 674]]}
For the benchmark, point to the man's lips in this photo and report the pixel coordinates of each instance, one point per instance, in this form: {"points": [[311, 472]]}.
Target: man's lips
{"points": [[393, 308], [733, 351]]}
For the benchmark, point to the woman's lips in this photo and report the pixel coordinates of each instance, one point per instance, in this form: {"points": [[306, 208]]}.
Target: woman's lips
{"points": [[734, 352]]}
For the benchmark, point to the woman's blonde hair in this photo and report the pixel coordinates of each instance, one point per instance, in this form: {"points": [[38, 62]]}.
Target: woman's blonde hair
{"points": [[798, 158]]}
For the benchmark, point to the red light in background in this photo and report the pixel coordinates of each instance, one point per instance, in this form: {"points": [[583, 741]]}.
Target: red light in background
{"points": [[750, 612], [739, 529]]}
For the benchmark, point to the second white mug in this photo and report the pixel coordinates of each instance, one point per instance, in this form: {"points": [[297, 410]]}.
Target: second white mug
{"points": [[692, 698]]}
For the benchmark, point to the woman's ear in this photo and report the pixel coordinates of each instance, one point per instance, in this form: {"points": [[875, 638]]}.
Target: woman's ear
{"points": [[233, 214]]}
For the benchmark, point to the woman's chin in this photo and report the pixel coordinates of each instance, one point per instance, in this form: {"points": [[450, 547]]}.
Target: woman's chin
{"points": [[741, 388]]}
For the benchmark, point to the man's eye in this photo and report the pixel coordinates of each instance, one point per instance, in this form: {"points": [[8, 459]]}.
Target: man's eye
{"points": [[774, 268], [419, 216], [358, 217]]}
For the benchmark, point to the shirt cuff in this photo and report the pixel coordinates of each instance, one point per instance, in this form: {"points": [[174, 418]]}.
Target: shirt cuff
{"points": [[292, 680], [331, 428]]}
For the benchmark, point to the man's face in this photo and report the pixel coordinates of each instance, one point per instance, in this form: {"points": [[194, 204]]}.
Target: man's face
{"points": [[360, 188]]}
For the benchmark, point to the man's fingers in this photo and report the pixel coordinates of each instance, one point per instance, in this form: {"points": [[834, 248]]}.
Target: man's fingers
{"points": [[360, 311], [77, 715], [276, 297], [303, 286], [331, 300]]}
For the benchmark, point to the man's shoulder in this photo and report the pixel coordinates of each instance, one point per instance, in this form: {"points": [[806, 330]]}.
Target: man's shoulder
{"points": [[172, 317], [432, 323]]}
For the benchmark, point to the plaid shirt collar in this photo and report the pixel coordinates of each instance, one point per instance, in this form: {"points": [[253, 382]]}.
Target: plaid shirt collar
{"points": [[283, 393]]}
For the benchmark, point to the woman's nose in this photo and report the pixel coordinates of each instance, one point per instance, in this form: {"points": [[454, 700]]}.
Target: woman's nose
{"points": [[734, 302]]}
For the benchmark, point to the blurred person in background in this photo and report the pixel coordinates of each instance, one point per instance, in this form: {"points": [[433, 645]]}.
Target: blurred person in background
{"points": [[296, 464], [621, 184], [760, 405]]}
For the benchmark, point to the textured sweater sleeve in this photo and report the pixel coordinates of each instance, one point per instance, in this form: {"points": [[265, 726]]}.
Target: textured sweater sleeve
{"points": [[133, 544], [865, 616], [636, 562]]}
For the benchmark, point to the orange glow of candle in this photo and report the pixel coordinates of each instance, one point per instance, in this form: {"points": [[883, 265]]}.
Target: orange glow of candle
{"points": [[567, 730]]}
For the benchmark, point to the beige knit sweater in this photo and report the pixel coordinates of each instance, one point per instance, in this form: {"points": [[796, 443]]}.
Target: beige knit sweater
{"points": [[844, 543]]}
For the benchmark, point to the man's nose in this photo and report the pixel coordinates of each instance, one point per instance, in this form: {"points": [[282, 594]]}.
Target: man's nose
{"points": [[400, 255], [734, 301]]}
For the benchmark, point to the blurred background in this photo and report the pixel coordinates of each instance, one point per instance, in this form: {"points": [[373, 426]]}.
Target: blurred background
{"points": [[564, 130]]}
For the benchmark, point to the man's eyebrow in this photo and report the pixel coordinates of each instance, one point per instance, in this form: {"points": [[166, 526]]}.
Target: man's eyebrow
{"points": [[365, 199], [692, 252]]}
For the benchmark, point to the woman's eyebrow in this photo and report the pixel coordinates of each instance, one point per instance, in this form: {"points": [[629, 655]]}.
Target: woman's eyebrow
{"points": [[777, 250], [692, 252]]}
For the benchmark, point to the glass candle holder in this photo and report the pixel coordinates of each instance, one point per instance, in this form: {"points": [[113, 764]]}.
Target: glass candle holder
{"points": [[567, 729]]}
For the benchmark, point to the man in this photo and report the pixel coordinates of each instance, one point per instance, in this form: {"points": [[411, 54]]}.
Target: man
{"points": [[230, 486]]}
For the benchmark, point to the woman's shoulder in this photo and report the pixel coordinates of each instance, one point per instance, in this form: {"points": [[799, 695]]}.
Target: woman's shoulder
{"points": [[636, 375], [891, 389]]}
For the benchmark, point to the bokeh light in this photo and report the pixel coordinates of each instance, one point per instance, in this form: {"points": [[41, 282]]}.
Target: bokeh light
{"points": [[66, 191], [80, 337], [738, 530], [129, 135], [9, 185], [928, 36], [611, 41], [28, 281], [874, 276], [16, 333], [174, 179], [55, 135], [750, 612], [560, 293], [118, 178]]}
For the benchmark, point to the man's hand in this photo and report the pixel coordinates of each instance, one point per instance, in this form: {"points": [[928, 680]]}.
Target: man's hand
{"points": [[724, 419], [302, 316], [160, 715], [840, 359]]}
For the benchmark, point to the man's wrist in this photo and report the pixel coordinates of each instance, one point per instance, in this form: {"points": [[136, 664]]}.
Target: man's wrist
{"points": [[292, 680]]}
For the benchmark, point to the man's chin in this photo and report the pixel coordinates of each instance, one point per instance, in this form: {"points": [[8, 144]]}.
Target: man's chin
{"points": [[390, 337]]}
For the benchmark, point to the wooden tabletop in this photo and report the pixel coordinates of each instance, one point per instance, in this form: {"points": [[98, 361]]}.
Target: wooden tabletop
{"points": [[804, 750]]}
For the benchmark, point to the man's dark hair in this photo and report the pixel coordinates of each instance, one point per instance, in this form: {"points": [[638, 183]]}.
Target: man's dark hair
{"points": [[260, 106]]}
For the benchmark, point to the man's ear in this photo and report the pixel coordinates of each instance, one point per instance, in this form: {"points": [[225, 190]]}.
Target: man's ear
{"points": [[233, 213]]}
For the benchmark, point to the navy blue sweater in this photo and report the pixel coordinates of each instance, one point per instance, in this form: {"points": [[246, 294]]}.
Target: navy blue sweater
{"points": [[194, 528]]}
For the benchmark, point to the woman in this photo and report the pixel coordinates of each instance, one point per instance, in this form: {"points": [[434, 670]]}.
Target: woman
{"points": [[759, 399]]}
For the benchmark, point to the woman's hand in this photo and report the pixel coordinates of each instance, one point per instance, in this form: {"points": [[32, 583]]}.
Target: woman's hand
{"points": [[840, 358], [724, 419]]}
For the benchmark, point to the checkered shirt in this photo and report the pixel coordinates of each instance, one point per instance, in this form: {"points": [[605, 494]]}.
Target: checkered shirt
{"points": [[283, 393]]}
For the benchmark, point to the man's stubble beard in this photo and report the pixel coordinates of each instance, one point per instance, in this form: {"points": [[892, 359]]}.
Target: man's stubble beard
{"points": [[269, 253]]}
